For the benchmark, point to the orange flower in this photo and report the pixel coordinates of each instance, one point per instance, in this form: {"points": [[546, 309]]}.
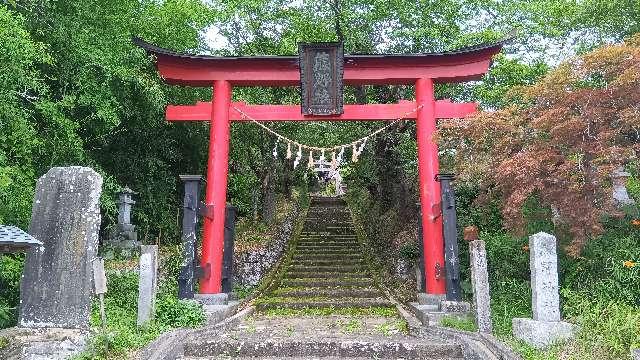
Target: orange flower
{"points": [[525, 248], [629, 264], [635, 222]]}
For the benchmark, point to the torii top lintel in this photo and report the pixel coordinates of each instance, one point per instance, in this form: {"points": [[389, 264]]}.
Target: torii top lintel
{"points": [[464, 64]]}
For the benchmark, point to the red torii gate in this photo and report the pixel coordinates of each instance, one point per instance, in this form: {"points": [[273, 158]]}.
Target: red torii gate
{"points": [[223, 73]]}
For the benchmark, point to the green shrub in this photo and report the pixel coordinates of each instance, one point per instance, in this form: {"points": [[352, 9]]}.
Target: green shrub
{"points": [[122, 333], [172, 312], [459, 324], [610, 327], [10, 273]]}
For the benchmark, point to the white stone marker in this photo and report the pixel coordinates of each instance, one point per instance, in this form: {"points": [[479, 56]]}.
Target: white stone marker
{"points": [[100, 286], [480, 285], [147, 285], [545, 328]]}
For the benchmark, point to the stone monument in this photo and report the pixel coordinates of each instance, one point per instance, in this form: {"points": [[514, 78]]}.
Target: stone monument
{"points": [[546, 327], [620, 194], [56, 285], [479, 280], [124, 235], [148, 283]]}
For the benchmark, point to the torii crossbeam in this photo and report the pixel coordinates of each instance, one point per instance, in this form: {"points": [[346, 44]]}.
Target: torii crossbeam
{"points": [[420, 70]]}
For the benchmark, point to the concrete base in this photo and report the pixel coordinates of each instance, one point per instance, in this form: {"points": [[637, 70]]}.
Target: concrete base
{"points": [[430, 315], [212, 299], [430, 299], [430, 309], [217, 313], [541, 334], [455, 306]]}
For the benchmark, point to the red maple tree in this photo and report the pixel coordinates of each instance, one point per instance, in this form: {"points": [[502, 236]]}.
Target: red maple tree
{"points": [[560, 141]]}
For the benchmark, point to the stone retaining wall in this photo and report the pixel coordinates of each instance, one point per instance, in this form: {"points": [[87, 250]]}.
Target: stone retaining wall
{"points": [[251, 266]]}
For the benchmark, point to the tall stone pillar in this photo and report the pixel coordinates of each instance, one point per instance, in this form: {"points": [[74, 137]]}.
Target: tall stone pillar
{"points": [[56, 285]]}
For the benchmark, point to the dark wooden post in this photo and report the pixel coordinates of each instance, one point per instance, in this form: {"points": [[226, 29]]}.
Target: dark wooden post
{"points": [[229, 237], [186, 279], [450, 232]]}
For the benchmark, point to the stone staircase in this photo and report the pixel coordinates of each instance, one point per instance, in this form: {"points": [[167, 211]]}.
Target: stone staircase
{"points": [[327, 269], [326, 305]]}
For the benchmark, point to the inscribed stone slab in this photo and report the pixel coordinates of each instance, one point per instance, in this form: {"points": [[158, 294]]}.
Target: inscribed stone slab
{"points": [[56, 285], [544, 277]]}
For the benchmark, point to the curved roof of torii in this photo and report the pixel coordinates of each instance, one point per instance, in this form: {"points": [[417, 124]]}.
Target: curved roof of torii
{"points": [[468, 63]]}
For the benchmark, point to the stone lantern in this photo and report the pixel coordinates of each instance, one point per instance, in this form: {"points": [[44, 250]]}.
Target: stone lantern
{"points": [[620, 194], [124, 235]]}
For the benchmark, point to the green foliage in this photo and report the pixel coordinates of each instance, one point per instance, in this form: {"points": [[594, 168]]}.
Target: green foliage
{"points": [[10, 273], [178, 313], [409, 251], [454, 322], [122, 333], [597, 291]]}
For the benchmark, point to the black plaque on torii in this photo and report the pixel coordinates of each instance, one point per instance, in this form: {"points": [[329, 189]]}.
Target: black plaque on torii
{"points": [[321, 72]]}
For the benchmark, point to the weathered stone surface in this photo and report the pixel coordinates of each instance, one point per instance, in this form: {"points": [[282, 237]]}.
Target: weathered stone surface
{"points": [[455, 307], [635, 354], [212, 299], [124, 235], [430, 299], [252, 265], [56, 285], [541, 334], [620, 194], [480, 285], [544, 277], [545, 328], [41, 343], [148, 284]]}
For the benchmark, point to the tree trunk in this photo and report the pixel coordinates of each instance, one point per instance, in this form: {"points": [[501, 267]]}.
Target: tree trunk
{"points": [[268, 197]]}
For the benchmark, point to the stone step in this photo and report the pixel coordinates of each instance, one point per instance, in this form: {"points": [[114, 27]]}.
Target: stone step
{"points": [[318, 256], [329, 236], [326, 232], [336, 261], [276, 357], [352, 244], [282, 348], [330, 293], [328, 239], [320, 250], [340, 303], [325, 275], [328, 247], [326, 282], [325, 268]]}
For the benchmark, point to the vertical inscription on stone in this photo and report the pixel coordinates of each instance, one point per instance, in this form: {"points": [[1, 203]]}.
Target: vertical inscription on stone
{"points": [[56, 285], [544, 277], [321, 71]]}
